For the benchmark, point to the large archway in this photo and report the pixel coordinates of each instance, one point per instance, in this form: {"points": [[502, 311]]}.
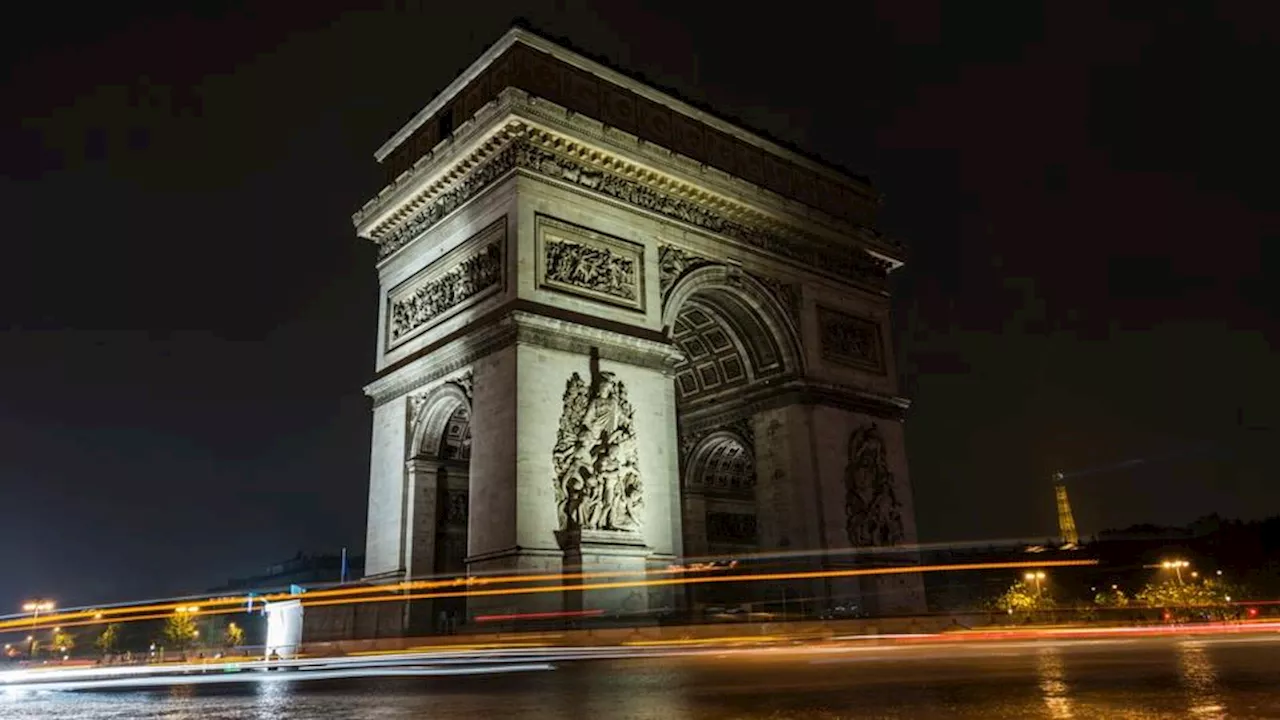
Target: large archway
{"points": [[438, 500], [737, 343]]}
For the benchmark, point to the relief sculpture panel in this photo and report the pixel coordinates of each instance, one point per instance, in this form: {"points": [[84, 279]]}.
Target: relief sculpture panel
{"points": [[595, 460], [583, 262], [851, 340], [873, 513], [446, 286]]}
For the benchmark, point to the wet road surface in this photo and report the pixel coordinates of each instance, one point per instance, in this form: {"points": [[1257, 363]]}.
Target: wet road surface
{"points": [[1200, 677]]}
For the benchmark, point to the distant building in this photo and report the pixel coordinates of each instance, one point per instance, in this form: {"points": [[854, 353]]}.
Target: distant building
{"points": [[299, 570]]}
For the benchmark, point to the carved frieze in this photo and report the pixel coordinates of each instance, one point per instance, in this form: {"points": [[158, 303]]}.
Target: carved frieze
{"points": [[591, 264], [469, 186], [787, 295], [873, 513], [596, 460], [446, 286], [851, 340], [673, 263], [523, 154]]}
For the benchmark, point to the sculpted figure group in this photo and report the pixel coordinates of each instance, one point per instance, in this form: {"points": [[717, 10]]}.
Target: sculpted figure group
{"points": [[592, 268], [597, 475], [436, 297]]}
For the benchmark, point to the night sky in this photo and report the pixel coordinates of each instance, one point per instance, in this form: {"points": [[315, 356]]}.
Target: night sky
{"points": [[187, 318]]}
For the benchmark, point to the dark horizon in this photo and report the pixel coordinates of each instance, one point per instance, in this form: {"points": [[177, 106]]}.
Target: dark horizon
{"points": [[191, 317]]}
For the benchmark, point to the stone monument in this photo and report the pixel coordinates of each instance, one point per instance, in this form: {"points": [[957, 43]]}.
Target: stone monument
{"points": [[616, 332]]}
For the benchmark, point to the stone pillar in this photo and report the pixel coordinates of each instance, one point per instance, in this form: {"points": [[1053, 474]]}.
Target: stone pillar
{"points": [[865, 503], [695, 524], [788, 497], [528, 403], [384, 546], [604, 551], [421, 508]]}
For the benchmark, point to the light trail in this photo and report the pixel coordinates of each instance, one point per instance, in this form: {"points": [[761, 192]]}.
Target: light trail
{"points": [[399, 591], [692, 565], [166, 680], [524, 659], [996, 545], [23, 621], [539, 615], [756, 577]]}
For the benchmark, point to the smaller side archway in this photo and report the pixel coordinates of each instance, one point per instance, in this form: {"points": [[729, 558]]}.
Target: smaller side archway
{"points": [[719, 496], [720, 511], [444, 411], [437, 501]]}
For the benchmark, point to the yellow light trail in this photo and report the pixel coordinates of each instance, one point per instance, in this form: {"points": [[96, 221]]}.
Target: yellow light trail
{"points": [[806, 575], [336, 596], [67, 618]]}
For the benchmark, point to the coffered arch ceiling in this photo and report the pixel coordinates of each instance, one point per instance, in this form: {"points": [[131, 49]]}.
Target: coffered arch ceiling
{"points": [[455, 441], [722, 465], [726, 346]]}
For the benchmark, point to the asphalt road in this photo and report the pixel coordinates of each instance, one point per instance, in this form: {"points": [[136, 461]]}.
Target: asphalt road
{"points": [[1202, 677]]}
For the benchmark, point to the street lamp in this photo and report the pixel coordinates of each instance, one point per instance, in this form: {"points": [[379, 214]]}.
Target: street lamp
{"points": [[190, 610], [1037, 576], [1176, 566], [35, 607]]}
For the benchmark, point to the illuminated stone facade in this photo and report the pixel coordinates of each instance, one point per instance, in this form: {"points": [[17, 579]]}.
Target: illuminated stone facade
{"points": [[617, 332]]}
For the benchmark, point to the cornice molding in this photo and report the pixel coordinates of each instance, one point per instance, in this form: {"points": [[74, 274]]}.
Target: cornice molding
{"points": [[531, 150], [567, 336], [516, 111], [444, 361], [521, 327]]}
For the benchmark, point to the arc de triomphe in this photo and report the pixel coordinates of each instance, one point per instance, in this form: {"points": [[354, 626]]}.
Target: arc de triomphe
{"points": [[615, 332]]}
